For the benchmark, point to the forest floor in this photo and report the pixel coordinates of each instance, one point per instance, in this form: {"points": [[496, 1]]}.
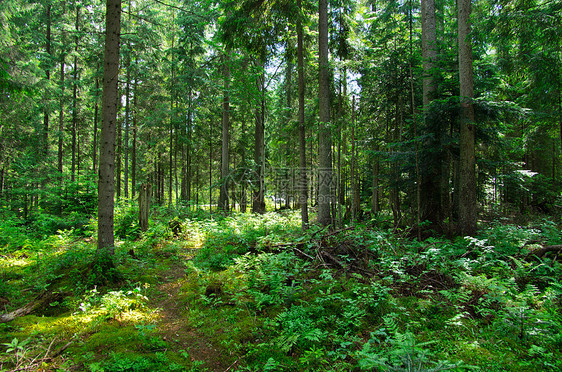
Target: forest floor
{"points": [[172, 325], [254, 293]]}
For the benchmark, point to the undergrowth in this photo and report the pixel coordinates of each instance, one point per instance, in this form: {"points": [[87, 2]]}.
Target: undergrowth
{"points": [[254, 293]]}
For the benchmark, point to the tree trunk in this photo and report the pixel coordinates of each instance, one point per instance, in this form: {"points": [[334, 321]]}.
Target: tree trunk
{"points": [[375, 199], [61, 133], [127, 120], [303, 187], [243, 180], [118, 153], [185, 192], [559, 88], [210, 166], [134, 144], [354, 184], [223, 197], [429, 49], [430, 195], [325, 181], [172, 122], [258, 203], [95, 141], [188, 172], [106, 184], [144, 205], [45, 133], [467, 192], [288, 191], [75, 100], [414, 121]]}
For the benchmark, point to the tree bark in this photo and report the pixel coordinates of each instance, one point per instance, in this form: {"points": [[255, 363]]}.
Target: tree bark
{"points": [[223, 197], [325, 171], [355, 203], [258, 203], [185, 192], [144, 205], [210, 166], [106, 184], [288, 193], [467, 192], [74, 128], [45, 133], [172, 121], [61, 133], [375, 200], [127, 114], [303, 187], [95, 141], [118, 151], [429, 49], [430, 196], [134, 144]]}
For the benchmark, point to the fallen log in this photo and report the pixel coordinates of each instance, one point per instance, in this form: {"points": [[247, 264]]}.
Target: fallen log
{"points": [[540, 252], [40, 301], [22, 311]]}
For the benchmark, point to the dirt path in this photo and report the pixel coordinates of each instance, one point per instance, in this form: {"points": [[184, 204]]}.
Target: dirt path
{"points": [[175, 328]]}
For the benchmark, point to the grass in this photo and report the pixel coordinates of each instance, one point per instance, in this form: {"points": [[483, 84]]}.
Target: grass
{"points": [[254, 293]]}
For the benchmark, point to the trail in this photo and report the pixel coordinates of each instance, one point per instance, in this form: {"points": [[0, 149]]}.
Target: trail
{"points": [[174, 326]]}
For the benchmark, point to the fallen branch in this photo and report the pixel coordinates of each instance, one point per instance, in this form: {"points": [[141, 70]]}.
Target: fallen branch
{"points": [[304, 254], [232, 365], [333, 259], [61, 350]]}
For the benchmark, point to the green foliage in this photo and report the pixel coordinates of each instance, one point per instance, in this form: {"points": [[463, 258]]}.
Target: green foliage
{"points": [[270, 301], [17, 351], [126, 362], [404, 354], [127, 221], [269, 277], [114, 303], [103, 270], [238, 234], [11, 237]]}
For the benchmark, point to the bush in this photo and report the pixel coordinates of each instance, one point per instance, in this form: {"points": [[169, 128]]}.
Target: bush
{"points": [[127, 222]]}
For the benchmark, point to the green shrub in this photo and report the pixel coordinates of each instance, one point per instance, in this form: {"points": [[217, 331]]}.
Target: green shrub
{"points": [[127, 222]]}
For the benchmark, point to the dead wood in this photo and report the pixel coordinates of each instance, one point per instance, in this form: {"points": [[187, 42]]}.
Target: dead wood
{"points": [[540, 252], [22, 311], [39, 302], [304, 254], [61, 350], [332, 258]]}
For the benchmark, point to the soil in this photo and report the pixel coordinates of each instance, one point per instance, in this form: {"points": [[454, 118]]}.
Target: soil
{"points": [[178, 333]]}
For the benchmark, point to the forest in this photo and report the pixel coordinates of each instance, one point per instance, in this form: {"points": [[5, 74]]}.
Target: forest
{"points": [[280, 185]]}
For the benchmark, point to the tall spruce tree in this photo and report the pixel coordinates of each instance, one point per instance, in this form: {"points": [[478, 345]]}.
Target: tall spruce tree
{"points": [[325, 189], [467, 192], [106, 183]]}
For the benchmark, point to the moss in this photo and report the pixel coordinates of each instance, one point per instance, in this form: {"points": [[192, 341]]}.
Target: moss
{"points": [[111, 336]]}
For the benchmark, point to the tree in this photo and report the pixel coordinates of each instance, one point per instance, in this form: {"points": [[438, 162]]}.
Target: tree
{"points": [[303, 186], [223, 197], [325, 189], [106, 183], [467, 176], [429, 190]]}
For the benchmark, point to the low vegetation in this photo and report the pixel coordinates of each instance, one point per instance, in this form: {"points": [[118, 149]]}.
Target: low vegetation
{"points": [[255, 293]]}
